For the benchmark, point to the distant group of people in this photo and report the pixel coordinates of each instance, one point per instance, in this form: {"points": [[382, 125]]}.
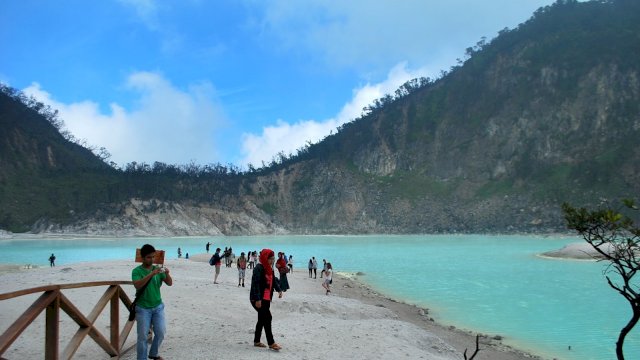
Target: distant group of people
{"points": [[228, 256], [180, 254], [327, 273], [269, 274]]}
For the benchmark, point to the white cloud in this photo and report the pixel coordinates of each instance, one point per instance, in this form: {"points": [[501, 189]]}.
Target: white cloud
{"points": [[168, 124], [147, 11], [153, 15], [371, 36], [287, 138]]}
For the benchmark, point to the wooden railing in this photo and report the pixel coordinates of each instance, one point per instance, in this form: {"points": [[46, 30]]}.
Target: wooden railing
{"points": [[52, 300]]}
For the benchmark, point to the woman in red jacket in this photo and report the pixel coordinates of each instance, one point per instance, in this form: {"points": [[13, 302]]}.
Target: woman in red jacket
{"points": [[263, 283]]}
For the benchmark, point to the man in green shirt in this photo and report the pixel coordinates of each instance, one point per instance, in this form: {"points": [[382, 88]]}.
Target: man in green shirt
{"points": [[149, 307]]}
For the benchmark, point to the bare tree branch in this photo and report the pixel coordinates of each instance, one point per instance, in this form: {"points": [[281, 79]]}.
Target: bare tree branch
{"points": [[476, 351], [614, 236]]}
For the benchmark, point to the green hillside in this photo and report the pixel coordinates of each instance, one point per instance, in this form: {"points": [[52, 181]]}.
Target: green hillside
{"points": [[544, 113]]}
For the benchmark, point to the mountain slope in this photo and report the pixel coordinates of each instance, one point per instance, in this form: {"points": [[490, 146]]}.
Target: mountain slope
{"points": [[41, 173], [545, 113]]}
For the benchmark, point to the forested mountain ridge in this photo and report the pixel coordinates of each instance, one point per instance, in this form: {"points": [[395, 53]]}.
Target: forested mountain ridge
{"points": [[39, 168], [545, 113]]}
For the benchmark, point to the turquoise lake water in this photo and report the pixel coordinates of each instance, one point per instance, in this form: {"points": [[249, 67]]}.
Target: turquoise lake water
{"points": [[488, 284]]}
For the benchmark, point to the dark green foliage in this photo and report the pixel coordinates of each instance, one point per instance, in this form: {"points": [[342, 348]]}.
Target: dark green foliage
{"points": [[495, 188], [613, 233], [269, 208], [409, 186], [46, 176]]}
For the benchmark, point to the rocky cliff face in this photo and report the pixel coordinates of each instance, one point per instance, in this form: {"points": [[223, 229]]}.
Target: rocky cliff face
{"points": [[158, 218], [543, 114], [343, 204]]}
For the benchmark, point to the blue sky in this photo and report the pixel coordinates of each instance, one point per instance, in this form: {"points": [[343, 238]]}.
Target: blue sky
{"points": [[230, 81]]}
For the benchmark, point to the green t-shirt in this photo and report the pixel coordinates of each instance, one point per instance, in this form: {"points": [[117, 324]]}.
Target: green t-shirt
{"points": [[150, 298]]}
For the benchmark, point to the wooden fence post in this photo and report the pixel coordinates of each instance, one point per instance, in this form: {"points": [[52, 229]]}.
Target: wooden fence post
{"points": [[115, 319], [52, 332], [53, 300]]}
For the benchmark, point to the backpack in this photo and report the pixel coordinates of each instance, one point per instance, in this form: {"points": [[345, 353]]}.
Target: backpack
{"points": [[214, 259]]}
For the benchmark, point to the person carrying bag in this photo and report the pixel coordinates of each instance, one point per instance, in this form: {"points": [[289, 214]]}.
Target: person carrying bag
{"points": [[149, 308], [132, 308]]}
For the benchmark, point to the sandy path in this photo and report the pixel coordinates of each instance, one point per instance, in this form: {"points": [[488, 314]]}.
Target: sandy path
{"points": [[208, 321]]}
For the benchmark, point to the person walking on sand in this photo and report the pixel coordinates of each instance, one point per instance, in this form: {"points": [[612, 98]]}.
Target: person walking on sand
{"points": [[310, 268], [242, 265], [328, 275], [52, 260], [263, 283], [324, 267], [314, 265], [281, 265], [290, 263], [149, 306], [216, 260], [229, 257]]}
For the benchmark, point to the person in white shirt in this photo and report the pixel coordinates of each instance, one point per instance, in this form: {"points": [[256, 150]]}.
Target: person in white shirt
{"points": [[328, 272], [314, 264]]}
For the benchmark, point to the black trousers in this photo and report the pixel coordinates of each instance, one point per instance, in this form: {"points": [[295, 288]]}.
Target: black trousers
{"points": [[264, 321]]}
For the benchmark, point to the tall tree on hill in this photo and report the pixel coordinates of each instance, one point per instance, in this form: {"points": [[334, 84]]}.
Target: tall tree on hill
{"points": [[616, 238]]}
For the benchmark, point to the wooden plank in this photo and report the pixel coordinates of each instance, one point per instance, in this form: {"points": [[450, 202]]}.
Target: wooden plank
{"points": [[102, 341], [86, 325], [74, 343], [124, 335], [73, 312], [12, 333], [97, 336], [52, 330], [115, 319], [102, 303], [35, 290], [51, 293], [158, 259], [125, 299], [13, 294]]}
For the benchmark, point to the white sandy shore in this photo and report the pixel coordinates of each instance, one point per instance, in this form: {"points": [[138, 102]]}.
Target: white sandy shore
{"points": [[207, 321], [578, 250]]}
